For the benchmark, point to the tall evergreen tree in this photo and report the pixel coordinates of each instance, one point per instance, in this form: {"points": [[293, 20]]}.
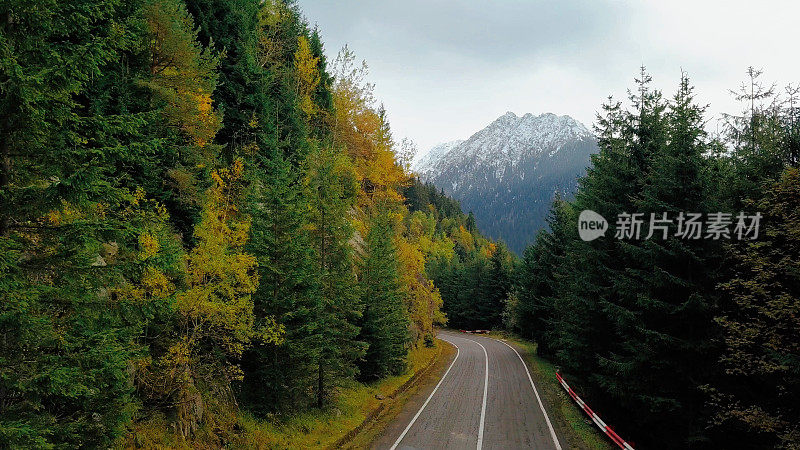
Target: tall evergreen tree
{"points": [[758, 137], [535, 283], [667, 287], [66, 215], [384, 324], [169, 190], [230, 27], [283, 377], [332, 188]]}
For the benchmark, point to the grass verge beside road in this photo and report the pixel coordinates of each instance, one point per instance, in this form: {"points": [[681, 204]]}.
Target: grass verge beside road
{"points": [[579, 431], [323, 429], [314, 429]]}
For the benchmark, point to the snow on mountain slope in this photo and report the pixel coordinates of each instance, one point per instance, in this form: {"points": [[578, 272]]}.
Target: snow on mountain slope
{"points": [[508, 172], [426, 160], [506, 141]]}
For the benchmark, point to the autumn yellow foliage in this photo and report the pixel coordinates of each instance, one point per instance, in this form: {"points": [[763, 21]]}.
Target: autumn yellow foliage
{"points": [[362, 128], [308, 78], [220, 275]]}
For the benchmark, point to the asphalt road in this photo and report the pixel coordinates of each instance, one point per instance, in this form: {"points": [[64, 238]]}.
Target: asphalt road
{"points": [[485, 400]]}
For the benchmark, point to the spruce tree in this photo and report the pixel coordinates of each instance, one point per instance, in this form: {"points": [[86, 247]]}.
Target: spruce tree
{"points": [[758, 137], [384, 324], [586, 273], [535, 285], [667, 290], [332, 190], [67, 216], [283, 377]]}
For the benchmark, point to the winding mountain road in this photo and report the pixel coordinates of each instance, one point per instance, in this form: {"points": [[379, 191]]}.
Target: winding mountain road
{"points": [[486, 399]]}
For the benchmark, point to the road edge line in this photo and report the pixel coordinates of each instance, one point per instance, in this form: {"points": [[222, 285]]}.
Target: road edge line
{"points": [[535, 391], [410, 424]]}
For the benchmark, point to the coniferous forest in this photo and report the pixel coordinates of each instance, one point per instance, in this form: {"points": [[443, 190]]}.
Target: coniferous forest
{"points": [[202, 218], [683, 343]]}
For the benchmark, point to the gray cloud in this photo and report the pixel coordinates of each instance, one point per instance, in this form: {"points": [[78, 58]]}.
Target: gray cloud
{"points": [[483, 32], [446, 68]]}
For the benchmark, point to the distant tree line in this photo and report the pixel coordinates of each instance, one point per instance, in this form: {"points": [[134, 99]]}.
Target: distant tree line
{"points": [[475, 277]]}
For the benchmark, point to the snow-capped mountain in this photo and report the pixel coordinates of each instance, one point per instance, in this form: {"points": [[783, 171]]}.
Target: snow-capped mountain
{"points": [[508, 172]]}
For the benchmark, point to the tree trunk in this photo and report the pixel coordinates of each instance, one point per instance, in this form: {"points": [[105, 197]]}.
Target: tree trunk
{"points": [[320, 386], [5, 171]]}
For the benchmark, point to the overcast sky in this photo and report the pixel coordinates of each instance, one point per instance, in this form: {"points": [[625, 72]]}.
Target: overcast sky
{"points": [[445, 69]]}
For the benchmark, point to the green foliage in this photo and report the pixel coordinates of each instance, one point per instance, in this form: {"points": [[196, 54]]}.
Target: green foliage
{"points": [[67, 337], [472, 274], [332, 189], [536, 283], [759, 320], [282, 377], [635, 309], [426, 198], [384, 324], [177, 223]]}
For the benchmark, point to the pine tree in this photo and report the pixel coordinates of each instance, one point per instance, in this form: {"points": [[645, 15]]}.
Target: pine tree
{"points": [[320, 126], [283, 377], [182, 78], [230, 27], [498, 286], [667, 287], [585, 274], [594, 305], [471, 225], [758, 138], [384, 325], [332, 190], [535, 284], [67, 221], [175, 206]]}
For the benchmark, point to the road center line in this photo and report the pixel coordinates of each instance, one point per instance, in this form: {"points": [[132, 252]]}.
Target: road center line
{"points": [[535, 391], [458, 351], [485, 391]]}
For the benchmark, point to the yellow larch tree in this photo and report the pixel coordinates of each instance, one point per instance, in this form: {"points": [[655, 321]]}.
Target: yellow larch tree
{"points": [[308, 78], [362, 128], [216, 309]]}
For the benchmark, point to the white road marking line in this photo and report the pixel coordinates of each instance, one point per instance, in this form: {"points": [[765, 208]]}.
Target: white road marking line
{"points": [[485, 390], [535, 391], [458, 351]]}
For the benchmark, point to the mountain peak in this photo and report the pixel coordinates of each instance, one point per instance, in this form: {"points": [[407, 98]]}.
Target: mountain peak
{"points": [[505, 141], [512, 155], [508, 118]]}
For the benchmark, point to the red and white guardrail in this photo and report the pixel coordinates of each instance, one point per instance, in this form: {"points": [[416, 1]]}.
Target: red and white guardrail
{"points": [[595, 418]]}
